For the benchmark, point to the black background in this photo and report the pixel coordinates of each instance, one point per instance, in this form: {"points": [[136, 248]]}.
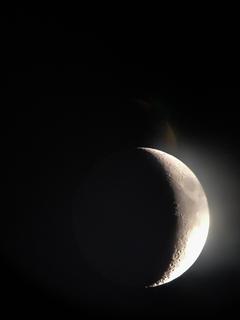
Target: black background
{"points": [[73, 92]]}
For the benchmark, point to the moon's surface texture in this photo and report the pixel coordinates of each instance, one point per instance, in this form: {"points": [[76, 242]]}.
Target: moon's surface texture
{"points": [[192, 215], [141, 218]]}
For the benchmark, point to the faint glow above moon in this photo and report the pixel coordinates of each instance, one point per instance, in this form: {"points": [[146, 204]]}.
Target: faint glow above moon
{"points": [[169, 136], [192, 214]]}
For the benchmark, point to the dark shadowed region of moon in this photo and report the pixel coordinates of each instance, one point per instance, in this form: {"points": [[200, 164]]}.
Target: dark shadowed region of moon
{"points": [[141, 218]]}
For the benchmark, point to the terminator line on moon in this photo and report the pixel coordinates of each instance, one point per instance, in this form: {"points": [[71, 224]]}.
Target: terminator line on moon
{"points": [[144, 218], [193, 218]]}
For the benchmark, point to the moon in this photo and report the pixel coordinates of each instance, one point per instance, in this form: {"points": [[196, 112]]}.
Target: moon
{"points": [[192, 215], [141, 218]]}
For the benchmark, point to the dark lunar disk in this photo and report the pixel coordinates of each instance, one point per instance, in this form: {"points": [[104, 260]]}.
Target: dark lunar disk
{"points": [[124, 219]]}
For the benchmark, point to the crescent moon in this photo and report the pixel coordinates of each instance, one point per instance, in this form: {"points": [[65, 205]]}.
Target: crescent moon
{"points": [[192, 215]]}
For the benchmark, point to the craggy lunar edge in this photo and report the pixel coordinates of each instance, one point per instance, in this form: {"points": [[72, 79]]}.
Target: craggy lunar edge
{"points": [[192, 214]]}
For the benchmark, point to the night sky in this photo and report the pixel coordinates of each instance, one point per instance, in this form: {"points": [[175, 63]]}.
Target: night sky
{"points": [[73, 94]]}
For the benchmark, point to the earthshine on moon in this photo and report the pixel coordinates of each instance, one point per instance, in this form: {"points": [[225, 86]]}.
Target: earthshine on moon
{"points": [[192, 214]]}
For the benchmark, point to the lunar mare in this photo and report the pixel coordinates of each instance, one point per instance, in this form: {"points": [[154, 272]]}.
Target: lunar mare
{"points": [[192, 216]]}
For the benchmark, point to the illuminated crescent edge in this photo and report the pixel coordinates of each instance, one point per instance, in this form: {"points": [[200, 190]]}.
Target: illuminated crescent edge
{"points": [[193, 223]]}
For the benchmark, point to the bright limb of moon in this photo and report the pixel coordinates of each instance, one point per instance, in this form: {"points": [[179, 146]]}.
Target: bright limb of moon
{"points": [[192, 216]]}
